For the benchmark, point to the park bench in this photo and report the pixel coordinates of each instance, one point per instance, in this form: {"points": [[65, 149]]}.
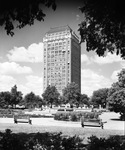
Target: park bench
{"points": [[22, 119], [94, 122]]}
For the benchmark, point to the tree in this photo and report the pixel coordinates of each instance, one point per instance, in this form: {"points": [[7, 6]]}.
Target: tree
{"points": [[5, 99], [51, 95], [22, 13], [116, 95], [16, 96], [120, 84], [2, 101], [99, 97], [31, 100], [117, 102], [71, 94], [39, 101], [103, 29], [84, 99], [61, 100]]}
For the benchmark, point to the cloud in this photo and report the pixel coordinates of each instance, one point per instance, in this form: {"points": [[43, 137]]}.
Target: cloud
{"points": [[6, 82], [14, 68], [91, 81], [32, 84], [35, 84], [108, 59], [33, 54], [122, 64], [85, 59], [77, 17], [114, 75]]}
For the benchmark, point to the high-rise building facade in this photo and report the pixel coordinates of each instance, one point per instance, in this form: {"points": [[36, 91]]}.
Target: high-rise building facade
{"points": [[62, 58]]}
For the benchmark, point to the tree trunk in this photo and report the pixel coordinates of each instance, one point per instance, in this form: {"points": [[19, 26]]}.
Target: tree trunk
{"points": [[51, 105]]}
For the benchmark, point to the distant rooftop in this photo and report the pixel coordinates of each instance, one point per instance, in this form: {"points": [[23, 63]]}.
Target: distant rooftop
{"points": [[58, 29]]}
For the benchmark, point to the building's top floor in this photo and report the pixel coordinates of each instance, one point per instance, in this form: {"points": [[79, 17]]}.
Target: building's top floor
{"points": [[60, 32], [59, 29]]}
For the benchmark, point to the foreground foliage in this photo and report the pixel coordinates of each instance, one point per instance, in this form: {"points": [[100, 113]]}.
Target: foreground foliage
{"points": [[103, 28], [38, 141], [18, 14], [55, 141], [112, 143]]}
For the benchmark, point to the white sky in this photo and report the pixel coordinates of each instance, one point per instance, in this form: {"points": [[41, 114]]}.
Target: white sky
{"points": [[21, 56]]}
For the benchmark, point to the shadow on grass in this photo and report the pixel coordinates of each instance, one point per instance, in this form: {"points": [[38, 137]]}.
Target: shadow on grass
{"points": [[116, 119]]}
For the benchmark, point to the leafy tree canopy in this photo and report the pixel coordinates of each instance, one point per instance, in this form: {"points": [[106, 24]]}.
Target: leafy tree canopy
{"points": [[22, 13], [84, 99], [99, 97], [5, 99], [120, 84], [116, 95], [71, 93], [16, 96], [31, 100], [51, 95], [104, 26], [117, 102]]}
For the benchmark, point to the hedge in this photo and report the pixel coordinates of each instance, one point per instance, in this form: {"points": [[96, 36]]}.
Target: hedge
{"points": [[111, 143], [38, 141], [10, 112], [75, 116], [55, 141]]}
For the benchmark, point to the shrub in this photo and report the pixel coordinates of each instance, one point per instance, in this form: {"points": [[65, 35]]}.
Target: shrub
{"points": [[62, 116], [8, 141], [73, 143], [75, 116], [91, 115], [66, 116], [6, 112], [55, 141], [38, 141], [58, 116], [112, 143], [10, 112]]}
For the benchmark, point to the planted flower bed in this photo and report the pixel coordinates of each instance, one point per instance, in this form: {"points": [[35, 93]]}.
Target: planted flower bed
{"points": [[74, 116], [6, 113]]}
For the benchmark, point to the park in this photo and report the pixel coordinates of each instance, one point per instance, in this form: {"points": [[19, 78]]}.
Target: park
{"points": [[50, 116], [43, 121], [34, 122]]}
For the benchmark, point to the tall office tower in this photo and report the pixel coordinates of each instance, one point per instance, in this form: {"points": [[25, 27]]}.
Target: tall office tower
{"points": [[62, 58]]}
